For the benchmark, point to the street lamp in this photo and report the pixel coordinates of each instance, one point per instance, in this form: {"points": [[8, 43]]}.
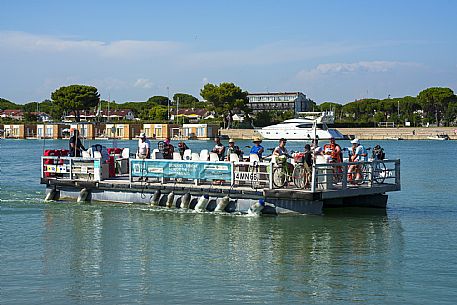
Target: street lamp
{"points": [[168, 101]]}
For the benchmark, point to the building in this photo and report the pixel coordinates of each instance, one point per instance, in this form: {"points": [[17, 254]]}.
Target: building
{"points": [[160, 131], [199, 131], [19, 131], [14, 114], [282, 101], [51, 131], [122, 131], [192, 114], [103, 115], [89, 130]]}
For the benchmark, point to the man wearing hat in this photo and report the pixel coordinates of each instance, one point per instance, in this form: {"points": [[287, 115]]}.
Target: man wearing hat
{"points": [[257, 149], [359, 154], [144, 147], [234, 149]]}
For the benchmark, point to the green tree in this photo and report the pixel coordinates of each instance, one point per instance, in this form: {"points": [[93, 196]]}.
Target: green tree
{"points": [[5, 104], [158, 100], [434, 102], [75, 98], [225, 99], [188, 101]]}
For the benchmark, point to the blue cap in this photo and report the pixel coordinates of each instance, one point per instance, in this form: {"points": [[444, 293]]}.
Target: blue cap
{"points": [[262, 202], [206, 196]]}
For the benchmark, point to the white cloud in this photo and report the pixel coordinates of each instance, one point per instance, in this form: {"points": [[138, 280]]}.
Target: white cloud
{"points": [[119, 49], [143, 83], [345, 68]]}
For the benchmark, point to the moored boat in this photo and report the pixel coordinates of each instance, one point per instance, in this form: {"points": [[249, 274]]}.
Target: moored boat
{"points": [[439, 137], [309, 126]]}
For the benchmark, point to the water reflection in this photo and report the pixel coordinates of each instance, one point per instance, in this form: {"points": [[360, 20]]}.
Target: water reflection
{"points": [[124, 252]]}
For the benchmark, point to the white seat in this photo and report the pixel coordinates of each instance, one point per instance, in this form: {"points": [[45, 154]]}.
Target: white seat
{"points": [[187, 154], [254, 158], [213, 157], [176, 156], [97, 155], [195, 157], [85, 154], [126, 153], [156, 154], [234, 158], [204, 155]]}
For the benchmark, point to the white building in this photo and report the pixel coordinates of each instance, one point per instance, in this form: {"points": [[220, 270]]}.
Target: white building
{"points": [[296, 101]]}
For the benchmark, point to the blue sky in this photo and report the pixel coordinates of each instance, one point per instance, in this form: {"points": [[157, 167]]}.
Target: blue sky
{"points": [[130, 50]]}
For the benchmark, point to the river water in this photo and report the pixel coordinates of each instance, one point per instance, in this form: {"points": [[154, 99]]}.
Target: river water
{"points": [[69, 253]]}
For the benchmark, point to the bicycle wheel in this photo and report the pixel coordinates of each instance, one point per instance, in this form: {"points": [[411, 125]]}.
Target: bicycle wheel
{"points": [[254, 171], [298, 175], [337, 175], [279, 177], [379, 172]]}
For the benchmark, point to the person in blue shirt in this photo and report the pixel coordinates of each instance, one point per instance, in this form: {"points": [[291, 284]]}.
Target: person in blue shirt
{"points": [[257, 149]]}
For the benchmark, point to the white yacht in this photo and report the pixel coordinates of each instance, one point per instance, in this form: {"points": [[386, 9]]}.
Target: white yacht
{"points": [[309, 126]]}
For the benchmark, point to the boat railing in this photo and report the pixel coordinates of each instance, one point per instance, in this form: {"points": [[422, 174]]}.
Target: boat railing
{"points": [[256, 175], [351, 175], [72, 168]]}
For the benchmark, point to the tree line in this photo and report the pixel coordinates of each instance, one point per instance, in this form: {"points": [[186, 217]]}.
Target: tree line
{"points": [[434, 105]]}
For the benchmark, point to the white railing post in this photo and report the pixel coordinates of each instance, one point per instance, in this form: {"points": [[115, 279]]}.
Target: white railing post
{"points": [[313, 179], [344, 181], [130, 170], [71, 168], [42, 167], [397, 172], [270, 176], [371, 172]]}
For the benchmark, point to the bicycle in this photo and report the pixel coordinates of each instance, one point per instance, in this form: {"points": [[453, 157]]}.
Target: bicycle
{"points": [[379, 170], [283, 174]]}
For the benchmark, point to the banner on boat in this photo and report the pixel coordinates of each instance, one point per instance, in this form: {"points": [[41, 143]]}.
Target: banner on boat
{"points": [[181, 169]]}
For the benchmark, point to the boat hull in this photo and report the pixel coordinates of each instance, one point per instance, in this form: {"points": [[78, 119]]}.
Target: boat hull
{"points": [[299, 134]]}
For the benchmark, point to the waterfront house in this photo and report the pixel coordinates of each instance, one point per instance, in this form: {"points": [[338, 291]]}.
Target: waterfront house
{"points": [[122, 131], [90, 130], [51, 131], [160, 131], [199, 131], [19, 131]]}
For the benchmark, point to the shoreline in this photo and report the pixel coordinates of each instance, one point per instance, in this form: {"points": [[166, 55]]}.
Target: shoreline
{"points": [[367, 133]]}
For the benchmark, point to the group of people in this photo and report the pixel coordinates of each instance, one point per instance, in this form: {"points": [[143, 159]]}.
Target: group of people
{"points": [[165, 147], [223, 153], [330, 153]]}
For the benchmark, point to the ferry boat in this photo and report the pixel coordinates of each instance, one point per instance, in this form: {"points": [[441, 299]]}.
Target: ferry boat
{"points": [[308, 126]]}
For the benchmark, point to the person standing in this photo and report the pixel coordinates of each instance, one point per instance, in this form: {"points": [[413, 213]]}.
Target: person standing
{"points": [[281, 149], [75, 144], [358, 154], [335, 151], [219, 149], [144, 147]]}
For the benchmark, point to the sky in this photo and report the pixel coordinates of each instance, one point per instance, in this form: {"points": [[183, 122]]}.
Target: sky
{"points": [[335, 51]]}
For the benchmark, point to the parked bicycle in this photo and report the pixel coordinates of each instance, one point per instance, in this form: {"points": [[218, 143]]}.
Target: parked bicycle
{"points": [[282, 173]]}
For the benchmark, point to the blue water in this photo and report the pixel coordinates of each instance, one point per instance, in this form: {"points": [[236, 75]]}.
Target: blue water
{"points": [[68, 253]]}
